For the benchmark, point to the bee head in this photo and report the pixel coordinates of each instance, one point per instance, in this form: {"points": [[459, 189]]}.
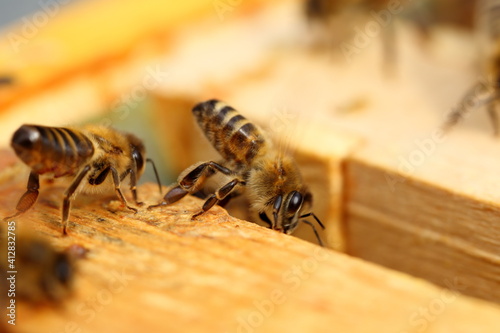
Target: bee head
{"points": [[287, 213]]}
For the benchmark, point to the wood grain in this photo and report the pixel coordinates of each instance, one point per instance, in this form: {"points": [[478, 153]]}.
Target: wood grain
{"points": [[159, 270]]}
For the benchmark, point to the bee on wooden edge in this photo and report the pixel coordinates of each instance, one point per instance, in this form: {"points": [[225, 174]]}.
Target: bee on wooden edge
{"points": [[94, 156], [270, 179]]}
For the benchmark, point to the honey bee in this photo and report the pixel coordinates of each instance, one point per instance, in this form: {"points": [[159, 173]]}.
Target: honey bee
{"points": [[323, 9], [93, 155], [335, 23], [350, 24], [424, 14], [39, 273], [271, 180], [487, 90], [6, 80]]}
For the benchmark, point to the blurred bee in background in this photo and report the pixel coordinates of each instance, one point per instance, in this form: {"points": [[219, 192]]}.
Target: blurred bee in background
{"points": [[455, 13], [333, 22], [271, 180], [340, 20], [487, 90], [42, 274], [97, 156], [6, 80]]}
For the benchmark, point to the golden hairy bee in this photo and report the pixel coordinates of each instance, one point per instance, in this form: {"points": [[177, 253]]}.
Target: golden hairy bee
{"points": [[42, 273], [94, 156], [271, 180]]}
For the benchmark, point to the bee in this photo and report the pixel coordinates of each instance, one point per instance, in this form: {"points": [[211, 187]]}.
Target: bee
{"points": [[425, 14], [94, 156], [41, 273], [334, 22], [348, 24], [486, 91], [271, 180], [324, 9], [6, 80]]}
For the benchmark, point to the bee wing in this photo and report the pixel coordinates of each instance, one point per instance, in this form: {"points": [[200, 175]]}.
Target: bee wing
{"points": [[285, 128]]}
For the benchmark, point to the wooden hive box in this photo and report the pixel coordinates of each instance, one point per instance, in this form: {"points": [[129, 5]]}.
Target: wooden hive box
{"points": [[390, 190]]}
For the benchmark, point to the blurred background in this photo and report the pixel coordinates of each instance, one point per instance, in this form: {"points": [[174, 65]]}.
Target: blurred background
{"points": [[14, 10]]}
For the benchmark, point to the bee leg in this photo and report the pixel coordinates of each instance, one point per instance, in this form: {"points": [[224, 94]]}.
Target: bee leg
{"points": [[133, 186], [119, 193], [492, 113], [263, 216], [156, 172], [191, 181], [174, 195], [67, 197], [28, 199], [193, 178], [219, 195], [479, 94]]}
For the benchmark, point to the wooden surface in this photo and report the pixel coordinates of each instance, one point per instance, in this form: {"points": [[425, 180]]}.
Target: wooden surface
{"points": [[161, 271]]}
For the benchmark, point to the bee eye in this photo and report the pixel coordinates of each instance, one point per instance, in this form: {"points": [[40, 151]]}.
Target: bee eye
{"points": [[277, 203], [139, 160], [295, 202]]}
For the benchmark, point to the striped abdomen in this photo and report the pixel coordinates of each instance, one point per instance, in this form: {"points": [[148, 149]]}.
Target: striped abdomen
{"points": [[234, 137], [57, 150]]}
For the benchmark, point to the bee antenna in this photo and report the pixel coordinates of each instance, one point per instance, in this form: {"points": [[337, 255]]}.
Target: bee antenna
{"points": [[156, 172], [315, 218], [315, 232]]}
